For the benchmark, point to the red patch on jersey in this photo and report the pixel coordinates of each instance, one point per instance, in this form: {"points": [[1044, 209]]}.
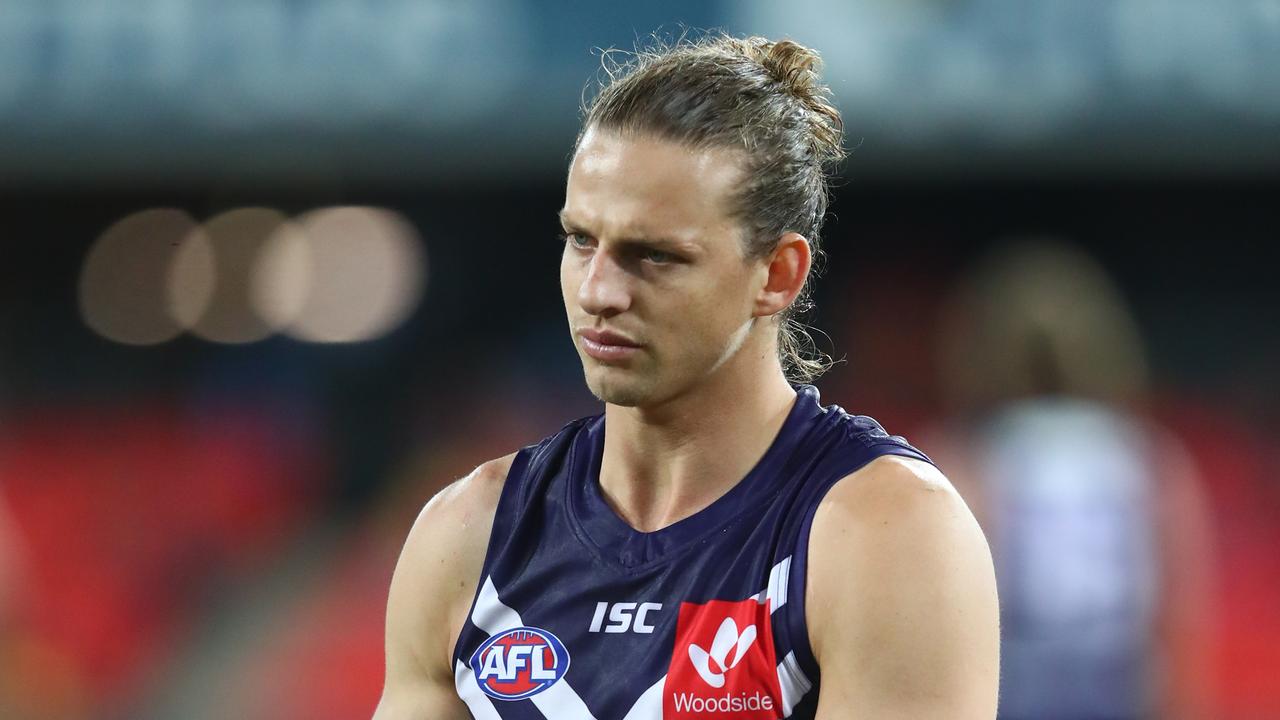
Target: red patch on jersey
{"points": [[723, 665]]}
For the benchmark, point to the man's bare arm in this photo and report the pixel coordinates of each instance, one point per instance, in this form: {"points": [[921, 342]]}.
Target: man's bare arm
{"points": [[431, 592], [901, 599]]}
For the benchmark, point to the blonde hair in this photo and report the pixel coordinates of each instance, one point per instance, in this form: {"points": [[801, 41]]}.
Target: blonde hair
{"points": [[764, 98]]}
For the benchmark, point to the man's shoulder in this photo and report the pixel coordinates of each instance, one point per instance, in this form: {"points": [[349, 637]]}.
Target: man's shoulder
{"points": [[900, 576], [478, 489], [449, 539], [462, 512], [887, 504], [461, 503], [891, 487]]}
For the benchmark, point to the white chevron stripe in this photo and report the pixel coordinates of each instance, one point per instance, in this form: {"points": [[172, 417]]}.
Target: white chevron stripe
{"points": [[558, 702], [649, 706], [776, 592], [491, 614], [481, 707], [793, 682]]}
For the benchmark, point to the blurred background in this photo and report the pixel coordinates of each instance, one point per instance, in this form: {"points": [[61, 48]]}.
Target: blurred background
{"points": [[275, 271]]}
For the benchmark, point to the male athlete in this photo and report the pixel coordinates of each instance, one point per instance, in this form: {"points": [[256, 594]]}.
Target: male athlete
{"points": [[716, 544]]}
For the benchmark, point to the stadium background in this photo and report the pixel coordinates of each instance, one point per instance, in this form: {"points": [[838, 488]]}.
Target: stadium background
{"points": [[210, 449]]}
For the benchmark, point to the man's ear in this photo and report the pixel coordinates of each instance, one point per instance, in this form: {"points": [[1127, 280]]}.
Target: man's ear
{"points": [[785, 270]]}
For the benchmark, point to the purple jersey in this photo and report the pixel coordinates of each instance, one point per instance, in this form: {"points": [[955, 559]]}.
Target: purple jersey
{"points": [[579, 616]]}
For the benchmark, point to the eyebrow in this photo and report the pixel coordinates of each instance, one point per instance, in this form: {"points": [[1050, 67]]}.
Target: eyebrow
{"points": [[660, 243]]}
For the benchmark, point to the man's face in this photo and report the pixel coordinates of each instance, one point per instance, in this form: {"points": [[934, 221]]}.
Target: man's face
{"points": [[656, 287]]}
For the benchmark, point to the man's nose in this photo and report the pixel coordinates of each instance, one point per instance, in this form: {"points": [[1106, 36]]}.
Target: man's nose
{"points": [[604, 291]]}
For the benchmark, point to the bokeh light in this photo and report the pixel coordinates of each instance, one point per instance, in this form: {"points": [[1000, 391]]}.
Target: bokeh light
{"points": [[282, 276], [123, 293], [190, 279], [232, 242], [368, 272]]}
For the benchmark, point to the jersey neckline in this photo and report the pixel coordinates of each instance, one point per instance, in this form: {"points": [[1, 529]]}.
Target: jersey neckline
{"points": [[621, 544]]}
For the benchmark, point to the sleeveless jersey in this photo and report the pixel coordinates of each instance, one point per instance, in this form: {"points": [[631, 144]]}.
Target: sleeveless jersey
{"points": [[579, 616]]}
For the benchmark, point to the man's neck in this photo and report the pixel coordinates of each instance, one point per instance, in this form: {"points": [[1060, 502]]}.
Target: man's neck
{"points": [[664, 464]]}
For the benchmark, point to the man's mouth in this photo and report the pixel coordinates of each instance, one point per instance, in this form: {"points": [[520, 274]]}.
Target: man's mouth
{"points": [[607, 345]]}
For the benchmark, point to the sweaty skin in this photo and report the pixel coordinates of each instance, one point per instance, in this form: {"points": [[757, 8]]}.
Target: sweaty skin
{"points": [[901, 599]]}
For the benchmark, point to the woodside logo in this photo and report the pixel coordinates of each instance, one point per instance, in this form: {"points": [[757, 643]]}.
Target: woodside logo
{"points": [[690, 703], [727, 638], [725, 663]]}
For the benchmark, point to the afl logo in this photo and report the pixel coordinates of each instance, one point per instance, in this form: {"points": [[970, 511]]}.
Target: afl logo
{"points": [[519, 663]]}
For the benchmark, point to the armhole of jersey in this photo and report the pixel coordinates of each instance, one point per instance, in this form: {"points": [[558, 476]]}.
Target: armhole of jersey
{"points": [[796, 622], [512, 500], [509, 490]]}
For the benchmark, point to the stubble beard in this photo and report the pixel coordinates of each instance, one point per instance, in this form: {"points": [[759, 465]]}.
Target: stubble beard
{"points": [[625, 392]]}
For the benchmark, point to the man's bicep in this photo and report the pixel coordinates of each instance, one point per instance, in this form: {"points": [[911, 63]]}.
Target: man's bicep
{"points": [[901, 602]]}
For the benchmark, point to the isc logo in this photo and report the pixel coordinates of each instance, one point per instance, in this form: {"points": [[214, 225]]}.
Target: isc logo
{"points": [[518, 663], [623, 617]]}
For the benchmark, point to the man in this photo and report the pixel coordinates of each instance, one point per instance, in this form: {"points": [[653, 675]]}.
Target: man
{"points": [[1099, 528], [728, 548]]}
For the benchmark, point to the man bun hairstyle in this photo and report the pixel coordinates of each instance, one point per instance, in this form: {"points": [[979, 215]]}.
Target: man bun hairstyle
{"points": [[759, 96]]}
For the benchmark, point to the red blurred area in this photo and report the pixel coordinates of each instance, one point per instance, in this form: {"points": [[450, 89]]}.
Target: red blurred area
{"points": [[324, 661], [1239, 468], [126, 520]]}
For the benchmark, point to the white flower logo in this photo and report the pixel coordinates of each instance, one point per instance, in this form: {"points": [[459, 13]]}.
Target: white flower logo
{"points": [[727, 638]]}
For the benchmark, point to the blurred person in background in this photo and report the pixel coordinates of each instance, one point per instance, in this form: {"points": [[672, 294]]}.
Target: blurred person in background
{"points": [[729, 536], [1095, 515]]}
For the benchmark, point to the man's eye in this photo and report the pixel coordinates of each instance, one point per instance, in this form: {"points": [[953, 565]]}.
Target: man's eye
{"points": [[658, 256], [576, 240]]}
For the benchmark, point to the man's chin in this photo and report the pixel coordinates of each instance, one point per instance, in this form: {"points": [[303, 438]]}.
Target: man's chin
{"points": [[618, 391]]}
